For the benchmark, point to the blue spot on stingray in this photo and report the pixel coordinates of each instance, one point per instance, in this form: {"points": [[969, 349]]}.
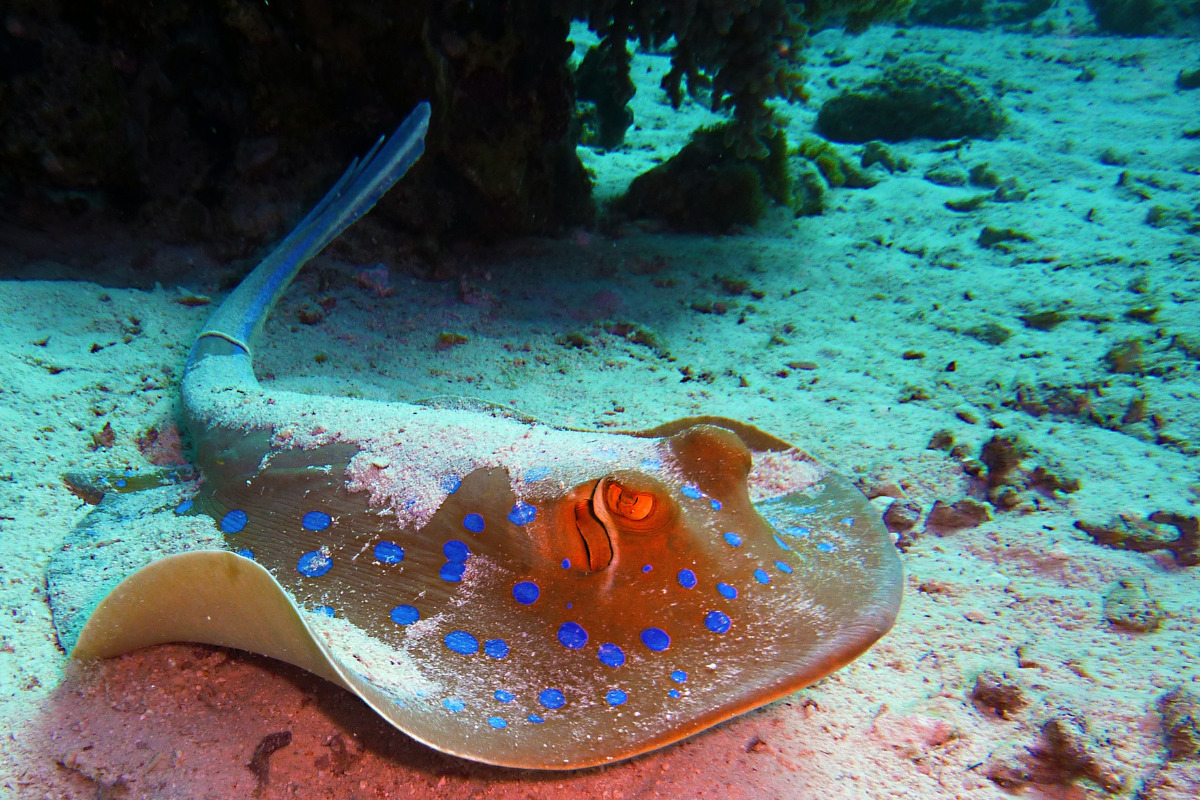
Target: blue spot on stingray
{"points": [[647, 568], [784, 567], [314, 564], [234, 521], [674, 693], [184, 507], [847, 521], [536, 719], [566, 563], [450, 483], [552, 698], [761, 576], [326, 611], [522, 514], [128, 473], [715, 503], [451, 571], [780, 542], [572, 636], [686, 578], [679, 676], [616, 697], [473, 523], [497, 723], [122, 483], [453, 704], [405, 615], [389, 553], [716, 621], [503, 696], [805, 510], [733, 539], [651, 464], [462, 642], [246, 552], [691, 491], [799, 531], [610, 655], [526, 592], [454, 550], [536, 474], [496, 648], [826, 547], [315, 520], [656, 639], [727, 591]]}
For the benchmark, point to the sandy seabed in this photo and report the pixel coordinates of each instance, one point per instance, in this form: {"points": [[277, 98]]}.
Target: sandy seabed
{"points": [[846, 352]]}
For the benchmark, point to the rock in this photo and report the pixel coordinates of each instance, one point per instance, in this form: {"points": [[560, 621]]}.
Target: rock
{"points": [[997, 694], [953, 517], [1062, 754], [947, 175], [1180, 710], [1002, 454], [1127, 605], [902, 516]]}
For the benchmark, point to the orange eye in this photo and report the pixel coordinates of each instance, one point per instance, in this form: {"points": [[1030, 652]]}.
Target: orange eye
{"points": [[627, 503]]}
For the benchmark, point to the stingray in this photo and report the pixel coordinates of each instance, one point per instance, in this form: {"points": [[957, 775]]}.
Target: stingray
{"points": [[498, 588]]}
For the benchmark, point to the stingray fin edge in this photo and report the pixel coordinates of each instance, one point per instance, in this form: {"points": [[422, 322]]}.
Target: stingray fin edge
{"points": [[754, 438], [206, 596]]}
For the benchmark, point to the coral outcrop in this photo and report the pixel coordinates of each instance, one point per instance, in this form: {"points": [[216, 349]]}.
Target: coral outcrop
{"points": [[213, 120]]}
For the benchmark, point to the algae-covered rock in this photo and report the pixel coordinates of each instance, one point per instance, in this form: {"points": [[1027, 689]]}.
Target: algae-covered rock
{"points": [[947, 174], [808, 189], [876, 152], [912, 100], [1141, 17], [602, 78], [710, 186], [707, 187], [999, 237], [837, 169], [976, 14]]}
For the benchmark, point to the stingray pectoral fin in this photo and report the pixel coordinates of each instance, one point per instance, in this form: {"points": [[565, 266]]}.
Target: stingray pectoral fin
{"points": [[218, 597], [208, 596]]}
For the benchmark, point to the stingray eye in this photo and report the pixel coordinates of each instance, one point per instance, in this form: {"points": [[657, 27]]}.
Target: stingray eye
{"points": [[630, 504]]}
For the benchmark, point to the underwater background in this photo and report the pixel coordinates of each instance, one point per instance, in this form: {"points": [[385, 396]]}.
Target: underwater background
{"points": [[962, 268]]}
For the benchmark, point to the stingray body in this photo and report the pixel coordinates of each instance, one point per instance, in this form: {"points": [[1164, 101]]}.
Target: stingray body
{"points": [[498, 588]]}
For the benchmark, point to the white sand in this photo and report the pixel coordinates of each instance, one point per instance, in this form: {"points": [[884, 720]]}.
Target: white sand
{"points": [[884, 271]]}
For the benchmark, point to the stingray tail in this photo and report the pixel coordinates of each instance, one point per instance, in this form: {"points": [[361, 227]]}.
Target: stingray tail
{"points": [[361, 186]]}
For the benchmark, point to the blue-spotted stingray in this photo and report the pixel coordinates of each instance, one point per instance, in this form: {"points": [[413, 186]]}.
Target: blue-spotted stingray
{"points": [[495, 587]]}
